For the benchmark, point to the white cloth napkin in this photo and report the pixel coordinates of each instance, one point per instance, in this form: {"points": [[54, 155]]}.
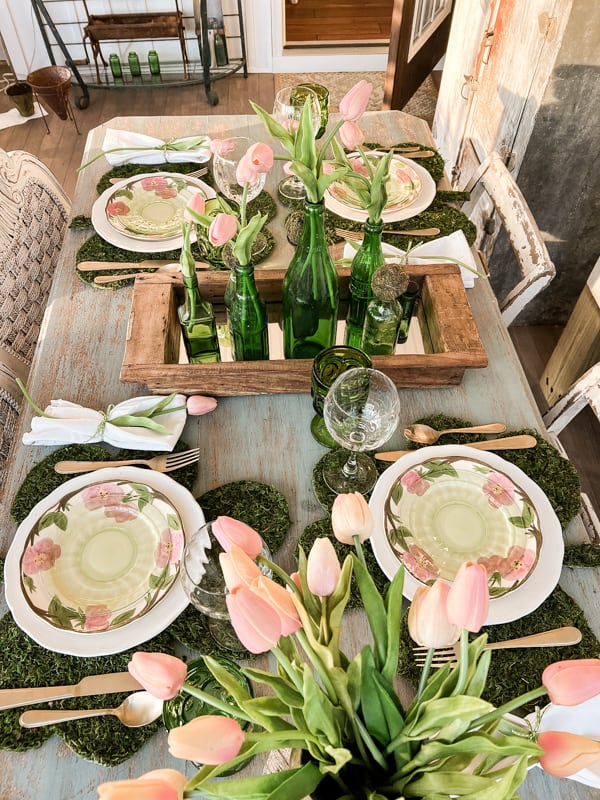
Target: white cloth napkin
{"points": [[116, 138], [75, 424], [455, 246]]}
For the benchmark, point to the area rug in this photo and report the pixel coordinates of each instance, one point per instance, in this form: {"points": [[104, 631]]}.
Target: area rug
{"points": [[422, 103]]}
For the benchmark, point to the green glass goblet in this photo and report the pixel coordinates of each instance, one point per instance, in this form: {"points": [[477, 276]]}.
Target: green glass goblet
{"points": [[327, 366]]}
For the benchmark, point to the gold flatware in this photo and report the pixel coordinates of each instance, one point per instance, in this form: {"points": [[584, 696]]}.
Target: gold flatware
{"points": [[558, 637], [166, 463], [106, 266], [415, 153], [197, 173], [140, 708], [358, 235], [93, 684], [522, 441], [424, 434], [168, 269]]}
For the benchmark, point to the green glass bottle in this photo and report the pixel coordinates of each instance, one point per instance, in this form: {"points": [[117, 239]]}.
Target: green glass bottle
{"points": [[384, 312], [367, 259], [407, 303], [153, 62], [247, 317], [310, 292], [134, 65], [115, 66]]}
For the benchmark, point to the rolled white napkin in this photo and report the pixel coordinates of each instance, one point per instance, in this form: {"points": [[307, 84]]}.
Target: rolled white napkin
{"points": [[70, 423], [453, 246], [126, 139]]}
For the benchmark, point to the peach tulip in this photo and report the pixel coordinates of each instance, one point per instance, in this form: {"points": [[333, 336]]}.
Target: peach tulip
{"points": [[221, 147], [354, 103], [566, 753], [569, 683], [322, 568], [255, 621], [222, 229], [261, 156], [228, 531], [350, 517], [238, 568], [160, 784], [428, 622], [211, 739], [160, 674], [279, 599], [198, 204], [246, 172], [351, 135], [197, 405], [469, 598]]}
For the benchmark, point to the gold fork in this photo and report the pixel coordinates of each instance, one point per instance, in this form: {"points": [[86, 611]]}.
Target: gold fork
{"points": [[558, 637], [166, 463], [197, 173], [358, 235]]}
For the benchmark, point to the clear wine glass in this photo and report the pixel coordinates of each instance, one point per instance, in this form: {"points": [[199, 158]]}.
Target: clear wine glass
{"points": [[287, 110], [361, 412]]}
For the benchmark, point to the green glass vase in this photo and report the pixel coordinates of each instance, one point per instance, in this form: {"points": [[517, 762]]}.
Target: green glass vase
{"points": [[367, 259], [310, 292], [197, 319], [246, 316]]}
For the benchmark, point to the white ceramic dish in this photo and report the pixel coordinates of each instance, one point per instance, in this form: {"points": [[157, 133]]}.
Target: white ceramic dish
{"points": [[129, 635], [540, 582]]}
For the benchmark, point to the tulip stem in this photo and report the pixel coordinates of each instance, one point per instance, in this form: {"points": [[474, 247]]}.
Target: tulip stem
{"points": [[288, 668], [425, 672], [463, 662], [215, 702], [359, 549], [318, 665], [516, 702]]}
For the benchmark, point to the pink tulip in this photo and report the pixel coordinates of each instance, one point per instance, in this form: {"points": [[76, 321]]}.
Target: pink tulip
{"points": [[238, 568], [354, 103], [280, 600], [322, 568], [198, 204], [350, 517], [197, 405], [222, 229], [211, 739], [287, 168], [221, 147], [261, 156], [246, 172], [566, 753], [228, 531], [256, 623], [351, 135], [160, 784], [428, 622], [469, 597], [569, 683], [160, 674], [295, 576]]}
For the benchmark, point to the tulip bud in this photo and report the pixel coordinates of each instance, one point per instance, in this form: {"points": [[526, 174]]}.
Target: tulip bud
{"points": [[197, 405], [159, 673], [469, 598], [354, 103], [351, 135], [569, 683], [246, 172], [322, 568], [350, 517], [221, 147], [228, 531], [566, 753], [261, 156], [210, 739], [280, 600], [256, 623], [160, 784], [428, 622], [197, 203], [222, 229], [238, 568]]}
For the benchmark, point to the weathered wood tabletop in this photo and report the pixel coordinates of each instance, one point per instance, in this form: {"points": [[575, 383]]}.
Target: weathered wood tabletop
{"points": [[264, 438]]}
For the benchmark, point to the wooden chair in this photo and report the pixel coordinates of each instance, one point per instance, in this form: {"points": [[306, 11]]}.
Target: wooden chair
{"points": [[34, 214], [494, 191]]}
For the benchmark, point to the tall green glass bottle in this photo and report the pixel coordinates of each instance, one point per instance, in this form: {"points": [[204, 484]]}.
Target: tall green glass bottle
{"points": [[247, 317], [310, 291], [367, 259]]}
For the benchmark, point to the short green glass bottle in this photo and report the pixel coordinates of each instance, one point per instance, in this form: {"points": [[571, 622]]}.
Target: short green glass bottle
{"points": [[367, 259], [246, 316], [310, 292], [384, 312]]}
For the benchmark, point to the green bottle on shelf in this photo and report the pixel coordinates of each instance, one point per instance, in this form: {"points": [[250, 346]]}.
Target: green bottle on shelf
{"points": [[153, 62], [115, 66], [134, 65]]}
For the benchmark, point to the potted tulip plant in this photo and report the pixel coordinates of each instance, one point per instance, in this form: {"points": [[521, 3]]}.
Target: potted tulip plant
{"points": [[357, 740]]}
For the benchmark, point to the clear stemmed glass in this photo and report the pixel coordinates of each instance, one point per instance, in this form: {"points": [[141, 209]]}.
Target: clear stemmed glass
{"points": [[203, 582], [361, 412], [287, 110]]}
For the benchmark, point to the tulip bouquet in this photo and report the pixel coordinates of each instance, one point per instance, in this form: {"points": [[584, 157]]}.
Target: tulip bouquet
{"points": [[357, 739]]}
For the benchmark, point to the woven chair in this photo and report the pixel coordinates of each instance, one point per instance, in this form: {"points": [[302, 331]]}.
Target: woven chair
{"points": [[34, 213]]}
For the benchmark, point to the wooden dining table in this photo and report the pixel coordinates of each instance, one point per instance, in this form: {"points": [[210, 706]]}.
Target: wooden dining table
{"points": [[261, 437]]}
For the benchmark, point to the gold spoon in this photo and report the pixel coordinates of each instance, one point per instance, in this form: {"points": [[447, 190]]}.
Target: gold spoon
{"points": [[140, 708], [518, 442], [426, 435]]}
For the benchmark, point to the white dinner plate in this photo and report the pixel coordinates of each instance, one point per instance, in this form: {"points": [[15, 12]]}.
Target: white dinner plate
{"points": [[129, 635], [542, 579], [103, 227], [420, 203]]}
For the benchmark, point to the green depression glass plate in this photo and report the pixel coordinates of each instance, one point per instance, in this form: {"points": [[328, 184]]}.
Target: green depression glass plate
{"points": [[152, 206], [101, 557], [445, 511]]}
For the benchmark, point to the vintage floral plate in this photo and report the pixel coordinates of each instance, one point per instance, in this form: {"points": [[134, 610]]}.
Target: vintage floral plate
{"points": [[439, 506], [74, 641], [101, 557]]}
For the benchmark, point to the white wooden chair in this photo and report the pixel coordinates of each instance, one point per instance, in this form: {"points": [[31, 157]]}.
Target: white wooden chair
{"points": [[34, 214], [494, 191]]}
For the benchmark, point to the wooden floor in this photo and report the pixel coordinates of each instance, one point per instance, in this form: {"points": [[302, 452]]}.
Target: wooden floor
{"points": [[319, 21], [62, 149]]}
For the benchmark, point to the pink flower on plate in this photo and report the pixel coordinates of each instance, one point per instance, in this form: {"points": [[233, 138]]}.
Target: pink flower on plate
{"points": [[519, 560], [40, 556], [152, 184], [169, 548], [419, 563], [414, 483], [406, 175], [97, 618], [499, 490], [101, 494], [120, 513], [117, 209], [166, 192]]}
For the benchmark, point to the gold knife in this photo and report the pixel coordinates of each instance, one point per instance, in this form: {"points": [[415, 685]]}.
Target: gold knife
{"points": [[94, 684], [519, 442], [106, 266]]}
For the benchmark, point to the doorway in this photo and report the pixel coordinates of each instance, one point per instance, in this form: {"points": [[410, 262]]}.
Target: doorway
{"points": [[339, 23]]}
